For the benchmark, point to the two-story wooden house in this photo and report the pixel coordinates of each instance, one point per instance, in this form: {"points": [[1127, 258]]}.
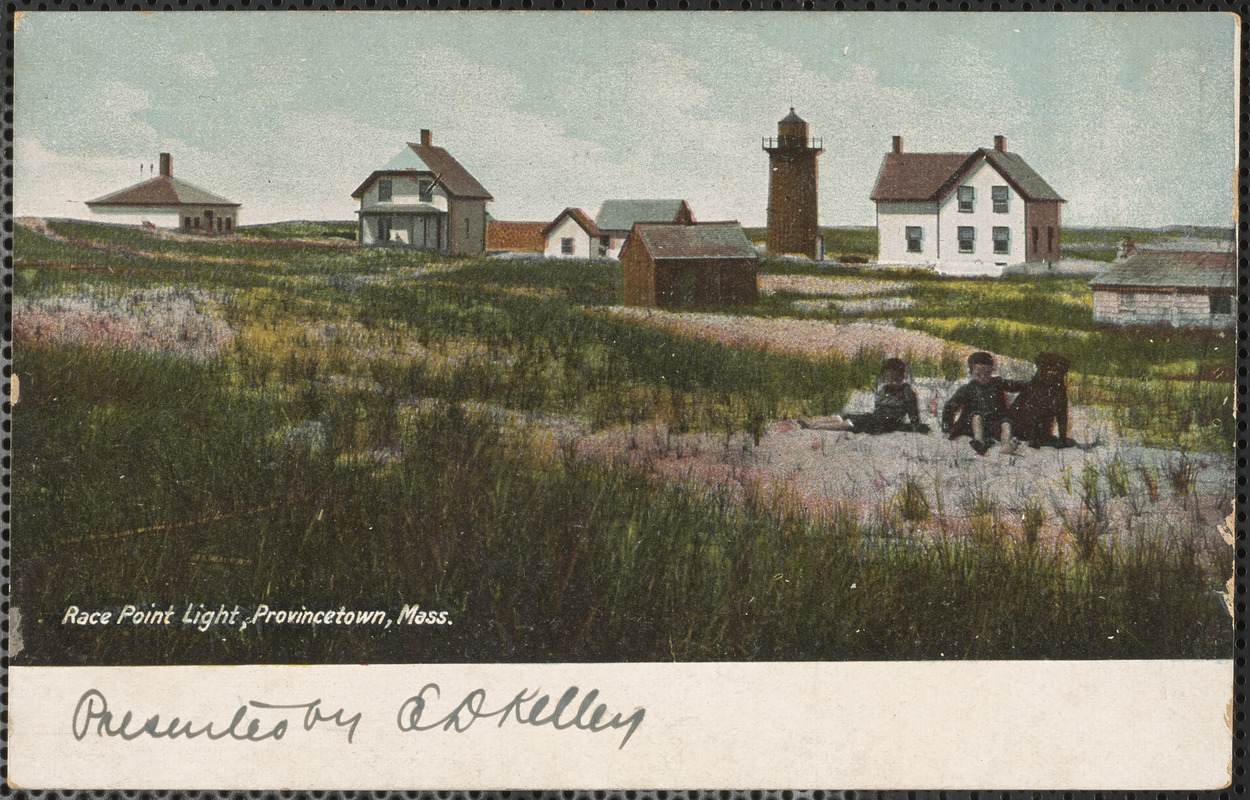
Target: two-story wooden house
{"points": [[974, 213], [424, 199]]}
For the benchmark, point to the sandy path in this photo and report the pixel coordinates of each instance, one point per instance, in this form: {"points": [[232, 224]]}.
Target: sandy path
{"points": [[812, 338], [821, 475], [840, 287]]}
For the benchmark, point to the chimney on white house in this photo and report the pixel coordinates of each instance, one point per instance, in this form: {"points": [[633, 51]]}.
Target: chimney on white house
{"points": [[426, 137], [898, 144], [167, 165], [1000, 144]]}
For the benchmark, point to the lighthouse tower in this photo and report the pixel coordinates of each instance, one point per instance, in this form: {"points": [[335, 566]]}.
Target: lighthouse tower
{"points": [[792, 226]]}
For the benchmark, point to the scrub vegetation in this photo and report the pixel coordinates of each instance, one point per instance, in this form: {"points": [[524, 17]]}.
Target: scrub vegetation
{"points": [[231, 422]]}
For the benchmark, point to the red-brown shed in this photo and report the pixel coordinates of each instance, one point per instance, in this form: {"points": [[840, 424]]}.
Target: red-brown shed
{"points": [[707, 264]]}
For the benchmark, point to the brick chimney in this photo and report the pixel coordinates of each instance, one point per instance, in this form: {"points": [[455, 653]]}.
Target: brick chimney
{"points": [[426, 137], [1000, 144], [898, 144], [167, 165]]}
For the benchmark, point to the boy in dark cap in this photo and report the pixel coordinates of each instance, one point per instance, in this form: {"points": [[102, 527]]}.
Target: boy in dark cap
{"points": [[979, 407], [894, 405]]}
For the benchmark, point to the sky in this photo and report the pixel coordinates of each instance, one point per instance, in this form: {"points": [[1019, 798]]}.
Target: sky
{"points": [[1130, 117]]}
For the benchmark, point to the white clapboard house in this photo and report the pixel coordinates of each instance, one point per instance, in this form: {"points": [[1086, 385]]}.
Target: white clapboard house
{"points": [[979, 213], [424, 199]]}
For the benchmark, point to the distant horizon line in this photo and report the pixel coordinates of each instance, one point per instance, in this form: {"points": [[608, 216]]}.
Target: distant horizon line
{"points": [[1230, 228]]}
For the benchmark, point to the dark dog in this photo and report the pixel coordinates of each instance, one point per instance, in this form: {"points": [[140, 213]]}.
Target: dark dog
{"points": [[1043, 405]]}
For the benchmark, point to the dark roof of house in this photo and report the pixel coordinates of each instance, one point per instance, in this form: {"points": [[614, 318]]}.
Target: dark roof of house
{"points": [[445, 170], [702, 240], [165, 191], [1170, 269], [622, 215], [519, 237], [932, 176], [448, 171], [580, 217]]}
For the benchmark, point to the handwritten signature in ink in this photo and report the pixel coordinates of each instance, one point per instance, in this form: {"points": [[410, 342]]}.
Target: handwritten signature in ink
{"points": [[93, 711]]}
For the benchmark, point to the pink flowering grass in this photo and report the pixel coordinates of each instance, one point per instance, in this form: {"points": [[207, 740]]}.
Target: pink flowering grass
{"points": [[180, 322]]}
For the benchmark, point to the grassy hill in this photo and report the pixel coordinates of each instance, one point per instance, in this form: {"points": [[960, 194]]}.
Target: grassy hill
{"points": [[224, 422]]}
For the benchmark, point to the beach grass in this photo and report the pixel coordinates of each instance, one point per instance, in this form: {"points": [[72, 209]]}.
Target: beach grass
{"points": [[367, 433]]}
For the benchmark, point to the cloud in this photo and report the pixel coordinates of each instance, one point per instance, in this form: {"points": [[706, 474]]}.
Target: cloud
{"points": [[101, 116], [48, 184], [197, 65], [287, 115]]}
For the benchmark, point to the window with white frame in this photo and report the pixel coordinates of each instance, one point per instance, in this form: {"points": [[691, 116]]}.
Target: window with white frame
{"points": [[915, 239], [1002, 239], [1128, 301], [967, 198], [566, 246], [385, 189], [425, 190], [1000, 195], [967, 239]]}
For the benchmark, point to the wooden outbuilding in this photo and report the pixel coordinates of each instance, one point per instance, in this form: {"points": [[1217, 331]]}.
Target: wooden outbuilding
{"points": [[1183, 289], [705, 264]]}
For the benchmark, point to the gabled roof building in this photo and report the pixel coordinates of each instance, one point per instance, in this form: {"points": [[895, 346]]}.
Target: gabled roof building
{"points": [[616, 218], [707, 264], [424, 199], [1183, 289], [976, 213], [573, 234], [168, 202]]}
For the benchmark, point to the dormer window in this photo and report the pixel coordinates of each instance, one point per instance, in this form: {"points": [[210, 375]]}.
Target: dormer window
{"points": [[384, 190], [967, 198], [425, 190]]}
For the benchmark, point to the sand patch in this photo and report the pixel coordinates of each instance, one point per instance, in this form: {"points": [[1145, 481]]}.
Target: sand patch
{"points": [[812, 338], [838, 287]]}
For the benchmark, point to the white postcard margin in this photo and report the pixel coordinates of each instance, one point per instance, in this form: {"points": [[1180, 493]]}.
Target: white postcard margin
{"points": [[1133, 725]]}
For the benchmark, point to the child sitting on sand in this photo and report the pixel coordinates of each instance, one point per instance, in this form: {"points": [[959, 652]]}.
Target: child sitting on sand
{"points": [[981, 405], [895, 403]]}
